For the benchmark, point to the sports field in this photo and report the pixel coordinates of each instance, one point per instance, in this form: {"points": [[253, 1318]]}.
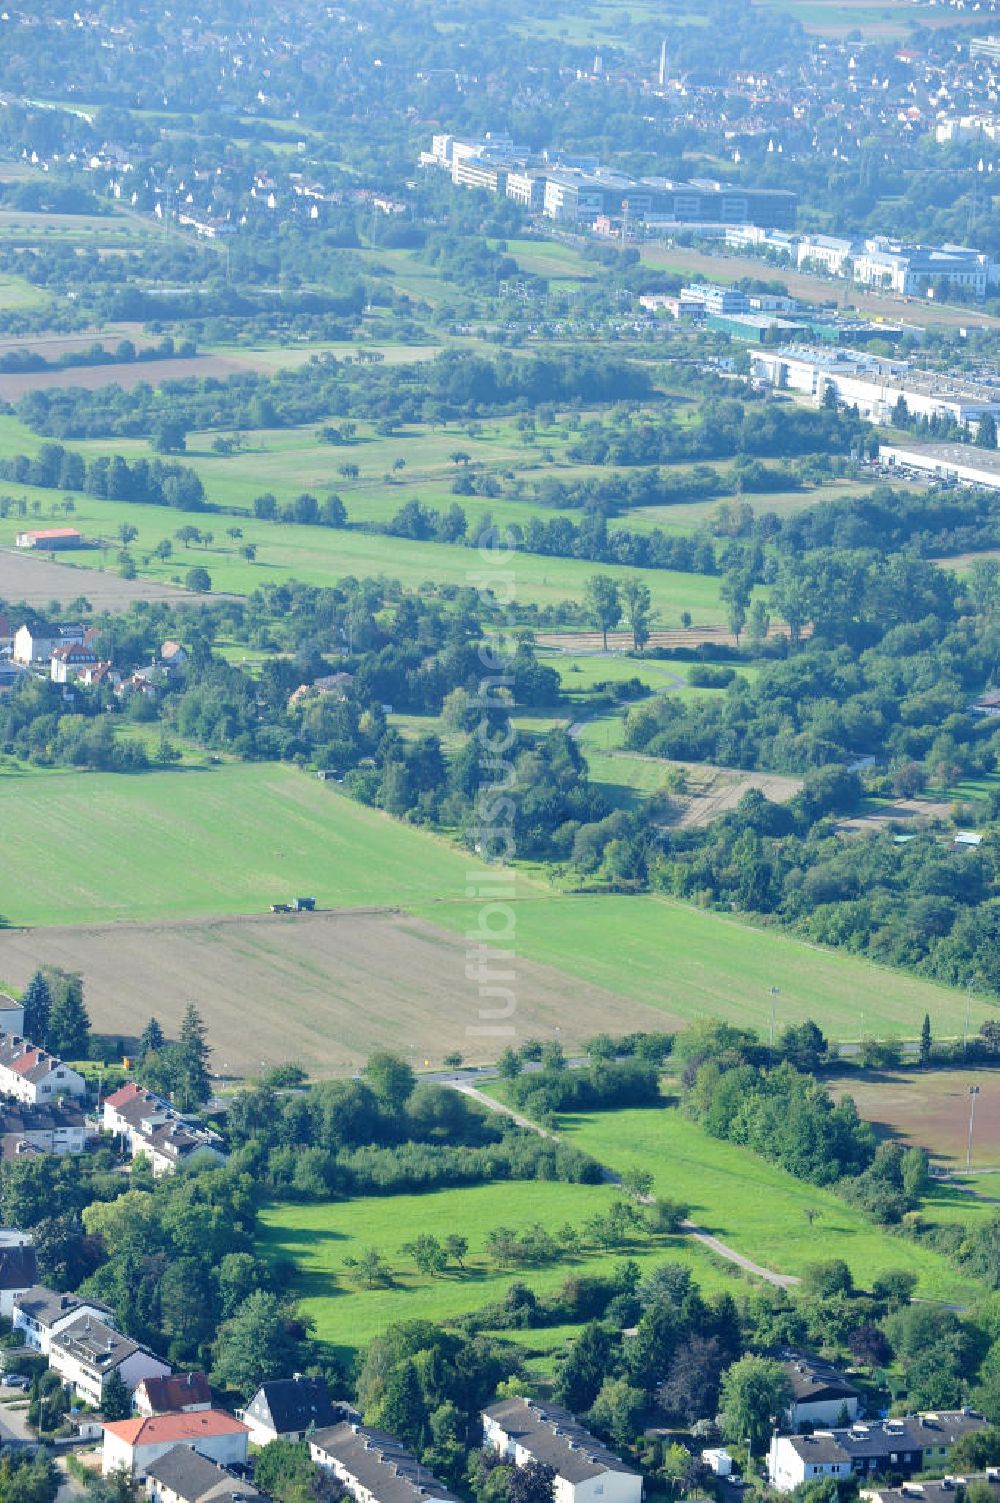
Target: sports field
{"points": [[319, 1237], [932, 1109]]}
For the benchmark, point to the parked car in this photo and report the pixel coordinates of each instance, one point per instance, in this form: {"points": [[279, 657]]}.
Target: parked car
{"points": [[15, 1380]]}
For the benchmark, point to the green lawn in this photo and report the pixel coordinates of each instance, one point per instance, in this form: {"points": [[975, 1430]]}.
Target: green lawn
{"points": [[15, 292], [95, 847], [319, 1237], [689, 962], [755, 1207], [289, 461]]}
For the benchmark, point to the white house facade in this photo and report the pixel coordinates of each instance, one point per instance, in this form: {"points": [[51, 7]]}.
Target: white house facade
{"points": [[586, 1470]]}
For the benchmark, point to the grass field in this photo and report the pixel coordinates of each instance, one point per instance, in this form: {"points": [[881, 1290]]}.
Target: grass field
{"points": [[931, 1109], [319, 1237], [290, 461], [755, 1207], [15, 292], [93, 848], [690, 963]]}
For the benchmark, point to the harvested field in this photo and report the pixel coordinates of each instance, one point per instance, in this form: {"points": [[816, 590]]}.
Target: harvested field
{"points": [[94, 377], [321, 989], [931, 1109], [915, 812], [621, 641], [52, 346], [712, 791], [35, 581], [131, 373]]}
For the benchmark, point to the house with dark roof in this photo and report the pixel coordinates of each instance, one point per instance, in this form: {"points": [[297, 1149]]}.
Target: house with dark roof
{"points": [[903, 1446], [178, 1393], [942, 1491], [18, 1267], [52, 1127], [525, 1430], [35, 641], [289, 1408], [821, 1393], [133, 1445], [86, 1352], [375, 1467], [182, 1475], [11, 1015], [151, 1126], [41, 1313], [69, 660]]}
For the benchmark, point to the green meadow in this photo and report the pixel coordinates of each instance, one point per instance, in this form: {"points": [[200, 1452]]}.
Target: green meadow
{"points": [[317, 1238], [690, 963], [756, 1207], [223, 839], [96, 847]]}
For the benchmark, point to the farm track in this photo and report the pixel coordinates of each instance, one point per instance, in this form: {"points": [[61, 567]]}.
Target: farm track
{"points": [[695, 1232]]}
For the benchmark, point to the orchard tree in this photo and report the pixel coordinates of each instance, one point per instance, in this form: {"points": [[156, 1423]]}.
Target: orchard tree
{"points": [[602, 601]]}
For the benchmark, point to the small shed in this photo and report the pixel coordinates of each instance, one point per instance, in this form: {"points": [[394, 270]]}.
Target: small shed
{"points": [[718, 1461]]}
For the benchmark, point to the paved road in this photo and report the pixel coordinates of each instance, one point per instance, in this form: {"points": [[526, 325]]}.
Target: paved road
{"points": [[698, 1233]]}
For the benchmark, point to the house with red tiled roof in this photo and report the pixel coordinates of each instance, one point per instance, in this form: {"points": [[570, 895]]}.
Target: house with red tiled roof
{"points": [[32, 1075], [151, 1126], [134, 1444], [180, 1393]]}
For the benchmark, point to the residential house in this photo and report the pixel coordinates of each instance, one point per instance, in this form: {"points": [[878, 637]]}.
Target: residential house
{"points": [[35, 641], [11, 1015], [18, 1267], [289, 1407], [172, 655], [525, 1430], [941, 1491], [988, 703], [86, 1352], [178, 1393], [31, 1075], [821, 1394], [69, 661], [375, 1467], [151, 1126], [181, 1475], [100, 673], [54, 1127], [133, 1445], [10, 675], [902, 1446], [42, 1313]]}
